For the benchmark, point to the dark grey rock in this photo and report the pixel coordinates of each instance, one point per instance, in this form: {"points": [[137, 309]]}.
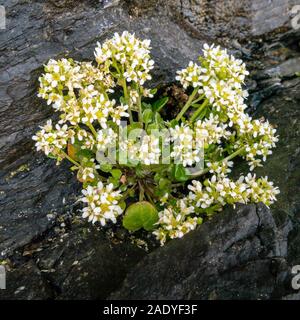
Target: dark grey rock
{"points": [[81, 264], [233, 256], [26, 283]]}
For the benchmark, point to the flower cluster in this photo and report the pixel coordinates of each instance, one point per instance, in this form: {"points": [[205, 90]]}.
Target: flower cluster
{"points": [[211, 130], [60, 75], [51, 140], [115, 163], [218, 191], [102, 203], [175, 222], [146, 150], [185, 149], [126, 53], [258, 138]]}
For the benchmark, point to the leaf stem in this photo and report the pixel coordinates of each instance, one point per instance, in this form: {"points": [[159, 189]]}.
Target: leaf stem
{"points": [[124, 85], [92, 129], [231, 156], [139, 104], [142, 191], [70, 159], [187, 105], [199, 110]]}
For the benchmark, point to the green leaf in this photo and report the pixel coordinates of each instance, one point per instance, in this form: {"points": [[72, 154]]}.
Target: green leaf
{"points": [[122, 204], [163, 187], [179, 173], [152, 126], [116, 173], [135, 125], [140, 215], [157, 118], [76, 152], [84, 153], [153, 91], [159, 104], [123, 100], [164, 184], [196, 105], [173, 123], [147, 116], [106, 167], [114, 181], [146, 105]]}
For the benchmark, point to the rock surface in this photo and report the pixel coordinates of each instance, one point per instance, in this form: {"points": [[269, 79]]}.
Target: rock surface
{"points": [[236, 255], [81, 265], [38, 199]]}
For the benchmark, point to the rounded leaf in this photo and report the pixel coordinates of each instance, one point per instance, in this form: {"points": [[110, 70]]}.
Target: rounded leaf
{"points": [[140, 215]]}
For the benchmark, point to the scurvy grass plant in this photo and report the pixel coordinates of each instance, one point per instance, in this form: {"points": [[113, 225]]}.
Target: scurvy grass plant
{"points": [[165, 176]]}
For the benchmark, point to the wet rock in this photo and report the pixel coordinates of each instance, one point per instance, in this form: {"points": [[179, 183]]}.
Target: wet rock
{"points": [[234, 256], [26, 283], [81, 264]]}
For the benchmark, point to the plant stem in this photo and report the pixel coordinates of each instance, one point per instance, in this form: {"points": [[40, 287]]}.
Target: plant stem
{"points": [[231, 156], [141, 196], [124, 85], [92, 129], [124, 195], [180, 184], [139, 103], [149, 198], [187, 105], [70, 159], [199, 110], [198, 99]]}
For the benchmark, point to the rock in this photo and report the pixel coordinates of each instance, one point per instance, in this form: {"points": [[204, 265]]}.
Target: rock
{"points": [[233, 256], [79, 265], [26, 283], [32, 198], [287, 68], [235, 19]]}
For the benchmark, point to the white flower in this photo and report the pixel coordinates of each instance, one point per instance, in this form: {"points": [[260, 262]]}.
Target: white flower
{"points": [[102, 203], [258, 138], [95, 106], [191, 76], [176, 222], [220, 168], [145, 150], [51, 140], [185, 150], [60, 75], [211, 130], [127, 53], [219, 77], [118, 112], [106, 138]]}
